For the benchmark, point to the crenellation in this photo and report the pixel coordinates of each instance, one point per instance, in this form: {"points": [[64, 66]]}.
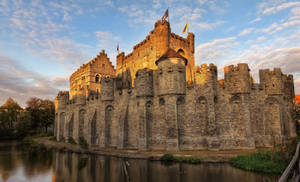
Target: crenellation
{"points": [[147, 103], [237, 79]]}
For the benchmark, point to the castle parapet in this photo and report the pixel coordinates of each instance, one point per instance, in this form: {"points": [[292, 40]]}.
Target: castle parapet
{"points": [[237, 78]]}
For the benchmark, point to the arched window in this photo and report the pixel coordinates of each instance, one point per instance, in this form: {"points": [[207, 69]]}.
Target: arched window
{"points": [[181, 52], [97, 78]]}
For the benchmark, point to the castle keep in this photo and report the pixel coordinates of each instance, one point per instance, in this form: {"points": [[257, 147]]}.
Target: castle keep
{"points": [[157, 99]]}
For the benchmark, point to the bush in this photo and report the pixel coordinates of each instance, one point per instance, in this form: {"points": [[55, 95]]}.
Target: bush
{"points": [[266, 162], [71, 141], [83, 143], [171, 158], [167, 158]]}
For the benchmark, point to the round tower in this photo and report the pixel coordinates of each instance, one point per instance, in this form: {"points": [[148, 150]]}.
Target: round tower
{"points": [[171, 73]]}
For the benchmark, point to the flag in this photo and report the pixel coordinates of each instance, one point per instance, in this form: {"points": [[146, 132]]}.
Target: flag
{"points": [[165, 15], [185, 28], [118, 48]]}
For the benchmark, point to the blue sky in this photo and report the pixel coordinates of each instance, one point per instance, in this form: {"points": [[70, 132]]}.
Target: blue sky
{"points": [[43, 42]]}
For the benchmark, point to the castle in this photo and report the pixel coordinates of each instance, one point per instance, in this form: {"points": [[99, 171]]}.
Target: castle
{"points": [[157, 99]]}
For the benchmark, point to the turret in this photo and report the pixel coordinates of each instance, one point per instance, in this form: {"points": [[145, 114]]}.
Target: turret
{"points": [[237, 79], [274, 82], [107, 89], [171, 73], [191, 38], [160, 36], [61, 100], [144, 83], [206, 74]]}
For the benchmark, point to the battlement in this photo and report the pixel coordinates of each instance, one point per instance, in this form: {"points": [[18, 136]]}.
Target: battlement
{"points": [[206, 74], [275, 82], [206, 68], [63, 94], [241, 67]]}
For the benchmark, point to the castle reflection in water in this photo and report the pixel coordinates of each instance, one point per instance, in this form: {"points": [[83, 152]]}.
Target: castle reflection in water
{"points": [[18, 162]]}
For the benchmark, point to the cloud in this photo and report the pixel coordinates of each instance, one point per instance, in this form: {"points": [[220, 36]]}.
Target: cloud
{"points": [[256, 20], [21, 84], [40, 28], [280, 7], [246, 31], [215, 49], [275, 27]]}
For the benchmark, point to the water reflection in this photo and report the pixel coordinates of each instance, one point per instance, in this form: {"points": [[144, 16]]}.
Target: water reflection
{"points": [[17, 161]]}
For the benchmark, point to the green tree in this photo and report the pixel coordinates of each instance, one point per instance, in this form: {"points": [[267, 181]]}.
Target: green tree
{"points": [[41, 114], [9, 117]]}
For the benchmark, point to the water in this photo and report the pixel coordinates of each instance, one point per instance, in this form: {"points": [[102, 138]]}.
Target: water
{"points": [[20, 163]]}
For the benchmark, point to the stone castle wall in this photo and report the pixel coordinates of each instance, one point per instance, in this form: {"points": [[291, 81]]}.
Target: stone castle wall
{"points": [[162, 113], [157, 99]]}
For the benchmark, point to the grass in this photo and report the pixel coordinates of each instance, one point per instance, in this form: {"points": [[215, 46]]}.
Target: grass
{"points": [[265, 162], [272, 162], [171, 158]]}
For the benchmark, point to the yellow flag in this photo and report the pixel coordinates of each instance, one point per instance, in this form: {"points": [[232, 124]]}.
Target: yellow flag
{"points": [[185, 28]]}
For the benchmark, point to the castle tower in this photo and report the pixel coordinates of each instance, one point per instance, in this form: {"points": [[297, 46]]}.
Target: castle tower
{"points": [[206, 77], [172, 88], [61, 100], [159, 40], [171, 73], [87, 78], [237, 79]]}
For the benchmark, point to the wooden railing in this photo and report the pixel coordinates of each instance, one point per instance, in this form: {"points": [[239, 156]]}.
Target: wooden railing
{"points": [[294, 167]]}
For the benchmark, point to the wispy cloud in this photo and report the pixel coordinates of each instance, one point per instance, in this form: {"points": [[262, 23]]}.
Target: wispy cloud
{"points": [[280, 7], [21, 84], [215, 49], [246, 31]]}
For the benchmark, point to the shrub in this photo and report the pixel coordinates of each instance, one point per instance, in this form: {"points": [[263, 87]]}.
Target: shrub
{"points": [[266, 162], [71, 141], [83, 143], [167, 158], [171, 158]]}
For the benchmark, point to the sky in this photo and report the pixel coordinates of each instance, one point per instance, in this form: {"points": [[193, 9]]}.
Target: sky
{"points": [[43, 42]]}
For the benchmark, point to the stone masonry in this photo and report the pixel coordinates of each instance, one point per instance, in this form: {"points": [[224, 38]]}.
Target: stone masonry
{"points": [[157, 99]]}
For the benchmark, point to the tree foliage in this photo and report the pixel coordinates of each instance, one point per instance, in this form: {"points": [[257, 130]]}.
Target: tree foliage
{"points": [[36, 118]]}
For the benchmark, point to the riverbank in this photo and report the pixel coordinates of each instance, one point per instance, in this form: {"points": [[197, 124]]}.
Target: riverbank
{"points": [[202, 155]]}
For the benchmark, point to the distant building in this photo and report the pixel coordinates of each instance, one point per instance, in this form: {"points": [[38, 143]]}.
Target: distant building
{"points": [[157, 99]]}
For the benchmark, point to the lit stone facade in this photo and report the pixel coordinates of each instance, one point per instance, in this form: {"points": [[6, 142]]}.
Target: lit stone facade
{"points": [[170, 104]]}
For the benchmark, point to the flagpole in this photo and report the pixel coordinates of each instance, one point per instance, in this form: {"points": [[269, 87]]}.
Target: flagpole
{"points": [[168, 16]]}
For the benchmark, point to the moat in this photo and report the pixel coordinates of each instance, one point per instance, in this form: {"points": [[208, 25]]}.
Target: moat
{"points": [[21, 163]]}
